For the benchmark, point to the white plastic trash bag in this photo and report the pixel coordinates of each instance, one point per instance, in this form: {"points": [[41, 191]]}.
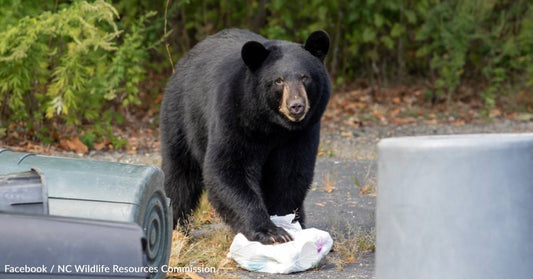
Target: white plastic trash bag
{"points": [[305, 251]]}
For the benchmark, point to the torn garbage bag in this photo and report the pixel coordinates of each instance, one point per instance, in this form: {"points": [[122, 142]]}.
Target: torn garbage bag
{"points": [[304, 252]]}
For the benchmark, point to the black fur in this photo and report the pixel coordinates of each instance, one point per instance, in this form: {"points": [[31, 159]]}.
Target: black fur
{"points": [[221, 127]]}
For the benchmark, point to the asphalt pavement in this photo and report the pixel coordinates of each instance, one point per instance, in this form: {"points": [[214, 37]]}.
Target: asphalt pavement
{"points": [[335, 203]]}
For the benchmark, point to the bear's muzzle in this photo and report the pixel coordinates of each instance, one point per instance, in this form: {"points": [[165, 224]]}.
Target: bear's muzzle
{"points": [[294, 103]]}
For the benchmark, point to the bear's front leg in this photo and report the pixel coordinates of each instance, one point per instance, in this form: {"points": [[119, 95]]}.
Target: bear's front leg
{"points": [[231, 176], [288, 174]]}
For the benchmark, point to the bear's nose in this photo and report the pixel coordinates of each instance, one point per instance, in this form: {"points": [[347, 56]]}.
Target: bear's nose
{"points": [[296, 107]]}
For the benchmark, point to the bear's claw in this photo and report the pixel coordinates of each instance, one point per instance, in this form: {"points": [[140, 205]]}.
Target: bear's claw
{"points": [[271, 235]]}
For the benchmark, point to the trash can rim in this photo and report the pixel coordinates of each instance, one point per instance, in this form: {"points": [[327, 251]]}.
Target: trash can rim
{"points": [[455, 140]]}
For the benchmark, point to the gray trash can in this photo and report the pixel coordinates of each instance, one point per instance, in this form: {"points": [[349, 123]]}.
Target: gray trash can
{"points": [[23, 192], [455, 207], [36, 246], [104, 191]]}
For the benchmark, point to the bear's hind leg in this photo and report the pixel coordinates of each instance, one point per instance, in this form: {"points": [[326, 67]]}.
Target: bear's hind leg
{"points": [[183, 184]]}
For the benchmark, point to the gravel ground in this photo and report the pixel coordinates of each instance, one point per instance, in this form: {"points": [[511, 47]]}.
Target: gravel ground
{"points": [[360, 145]]}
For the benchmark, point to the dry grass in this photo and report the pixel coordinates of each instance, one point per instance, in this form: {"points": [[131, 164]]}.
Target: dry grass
{"points": [[365, 185], [325, 150], [349, 245], [208, 249], [328, 180], [203, 247]]}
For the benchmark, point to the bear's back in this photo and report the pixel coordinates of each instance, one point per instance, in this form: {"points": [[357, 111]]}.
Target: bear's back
{"points": [[214, 48]]}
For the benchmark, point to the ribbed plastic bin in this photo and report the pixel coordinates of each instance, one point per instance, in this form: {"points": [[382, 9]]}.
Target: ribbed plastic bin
{"points": [[455, 207], [104, 191], [36, 246], [23, 192]]}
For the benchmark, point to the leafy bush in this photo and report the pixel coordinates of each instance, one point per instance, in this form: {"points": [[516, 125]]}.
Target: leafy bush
{"points": [[79, 64], [444, 42], [70, 66]]}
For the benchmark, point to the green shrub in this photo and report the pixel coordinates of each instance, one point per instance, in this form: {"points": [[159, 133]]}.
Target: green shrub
{"points": [[77, 63], [70, 66]]}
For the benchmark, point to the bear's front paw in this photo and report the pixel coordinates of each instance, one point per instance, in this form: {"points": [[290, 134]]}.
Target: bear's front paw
{"points": [[270, 235]]}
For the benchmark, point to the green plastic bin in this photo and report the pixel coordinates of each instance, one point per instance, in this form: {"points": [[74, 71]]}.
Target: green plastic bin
{"points": [[104, 191]]}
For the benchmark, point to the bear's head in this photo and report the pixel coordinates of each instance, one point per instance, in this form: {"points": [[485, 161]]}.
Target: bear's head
{"points": [[293, 77]]}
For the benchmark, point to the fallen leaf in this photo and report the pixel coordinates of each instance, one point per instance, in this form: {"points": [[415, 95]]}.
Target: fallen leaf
{"points": [[459, 123], [74, 144], [365, 189], [495, 113], [223, 263], [330, 188], [329, 183], [158, 99], [403, 121], [512, 115], [193, 275], [395, 112], [431, 122], [99, 145]]}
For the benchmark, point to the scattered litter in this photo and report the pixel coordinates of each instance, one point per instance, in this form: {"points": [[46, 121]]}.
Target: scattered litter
{"points": [[304, 252]]}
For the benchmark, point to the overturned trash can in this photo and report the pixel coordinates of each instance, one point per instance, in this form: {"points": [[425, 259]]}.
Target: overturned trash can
{"points": [[94, 190], [455, 207], [23, 192], [36, 246]]}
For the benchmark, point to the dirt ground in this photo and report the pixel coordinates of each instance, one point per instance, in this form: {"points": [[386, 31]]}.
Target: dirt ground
{"points": [[356, 143]]}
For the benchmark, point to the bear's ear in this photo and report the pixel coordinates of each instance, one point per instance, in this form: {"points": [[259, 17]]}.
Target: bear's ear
{"points": [[253, 54], [318, 44]]}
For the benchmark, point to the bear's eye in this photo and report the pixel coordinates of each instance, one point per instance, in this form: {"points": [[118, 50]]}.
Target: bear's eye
{"points": [[279, 81], [303, 78]]}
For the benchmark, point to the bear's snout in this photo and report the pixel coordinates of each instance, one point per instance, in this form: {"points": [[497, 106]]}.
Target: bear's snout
{"points": [[296, 108], [294, 103]]}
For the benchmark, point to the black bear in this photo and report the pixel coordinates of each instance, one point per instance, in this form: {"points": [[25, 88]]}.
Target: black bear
{"points": [[241, 115]]}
